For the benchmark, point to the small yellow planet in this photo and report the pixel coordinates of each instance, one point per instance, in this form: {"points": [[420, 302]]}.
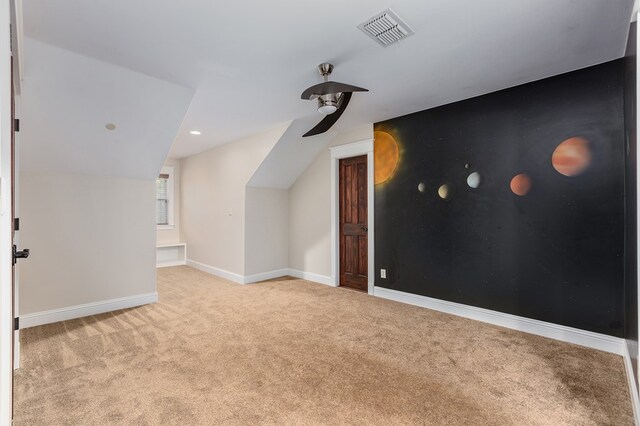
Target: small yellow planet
{"points": [[445, 191], [385, 156]]}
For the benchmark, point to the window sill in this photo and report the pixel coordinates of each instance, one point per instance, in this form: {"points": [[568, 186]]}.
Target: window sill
{"points": [[164, 227]]}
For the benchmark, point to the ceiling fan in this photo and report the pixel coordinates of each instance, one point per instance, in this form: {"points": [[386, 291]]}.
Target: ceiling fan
{"points": [[333, 98]]}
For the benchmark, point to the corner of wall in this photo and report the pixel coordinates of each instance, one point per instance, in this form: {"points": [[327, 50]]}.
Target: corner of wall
{"points": [[213, 200], [310, 202]]}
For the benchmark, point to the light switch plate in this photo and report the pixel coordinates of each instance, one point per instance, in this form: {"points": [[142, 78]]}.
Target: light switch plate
{"points": [[383, 273]]}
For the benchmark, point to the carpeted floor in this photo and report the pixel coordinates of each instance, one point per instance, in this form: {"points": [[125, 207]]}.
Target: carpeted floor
{"points": [[294, 352]]}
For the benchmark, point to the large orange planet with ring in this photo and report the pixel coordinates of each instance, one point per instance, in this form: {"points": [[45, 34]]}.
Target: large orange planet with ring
{"points": [[385, 156], [572, 156]]}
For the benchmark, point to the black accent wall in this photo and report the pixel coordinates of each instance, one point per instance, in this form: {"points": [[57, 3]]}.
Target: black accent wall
{"points": [[631, 209], [556, 254]]}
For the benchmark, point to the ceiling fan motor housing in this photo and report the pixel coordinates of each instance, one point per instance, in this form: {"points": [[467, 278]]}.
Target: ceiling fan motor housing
{"points": [[328, 104]]}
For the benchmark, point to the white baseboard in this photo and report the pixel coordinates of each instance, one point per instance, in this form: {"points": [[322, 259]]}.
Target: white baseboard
{"points": [[309, 276], [576, 336], [227, 275], [248, 279], [237, 278], [633, 386], [79, 311]]}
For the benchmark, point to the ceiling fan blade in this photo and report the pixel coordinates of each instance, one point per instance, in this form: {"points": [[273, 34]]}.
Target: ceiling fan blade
{"points": [[331, 119], [330, 87]]}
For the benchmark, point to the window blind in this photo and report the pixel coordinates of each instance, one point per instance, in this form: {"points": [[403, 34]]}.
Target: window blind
{"points": [[162, 199]]}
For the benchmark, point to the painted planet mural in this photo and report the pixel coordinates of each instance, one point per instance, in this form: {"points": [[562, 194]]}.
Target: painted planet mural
{"points": [[445, 191], [385, 156], [474, 180], [520, 184], [572, 157]]}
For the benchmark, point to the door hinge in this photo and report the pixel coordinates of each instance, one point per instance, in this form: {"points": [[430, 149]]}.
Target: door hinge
{"points": [[16, 124], [16, 323], [16, 224]]}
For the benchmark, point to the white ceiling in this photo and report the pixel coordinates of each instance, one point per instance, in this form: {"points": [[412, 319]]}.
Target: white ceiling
{"points": [[248, 61]]}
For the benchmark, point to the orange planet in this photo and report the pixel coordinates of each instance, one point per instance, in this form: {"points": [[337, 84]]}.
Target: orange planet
{"points": [[385, 156], [572, 156], [520, 184]]}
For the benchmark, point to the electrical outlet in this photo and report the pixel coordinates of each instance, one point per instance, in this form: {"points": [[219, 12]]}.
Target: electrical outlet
{"points": [[383, 273]]}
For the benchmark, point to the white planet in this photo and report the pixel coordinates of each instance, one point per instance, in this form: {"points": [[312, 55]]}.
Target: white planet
{"points": [[474, 180], [422, 187]]}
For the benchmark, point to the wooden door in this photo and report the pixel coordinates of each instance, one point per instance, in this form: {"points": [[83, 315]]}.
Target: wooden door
{"points": [[353, 223]]}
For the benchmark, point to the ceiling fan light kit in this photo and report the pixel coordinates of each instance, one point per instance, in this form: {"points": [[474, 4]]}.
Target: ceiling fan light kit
{"points": [[328, 104], [332, 96]]}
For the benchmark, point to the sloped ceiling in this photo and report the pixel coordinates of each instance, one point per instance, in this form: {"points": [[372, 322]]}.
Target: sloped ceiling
{"points": [[289, 158], [66, 101], [248, 61]]}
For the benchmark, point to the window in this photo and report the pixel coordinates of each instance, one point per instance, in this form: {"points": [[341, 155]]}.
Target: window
{"points": [[164, 199]]}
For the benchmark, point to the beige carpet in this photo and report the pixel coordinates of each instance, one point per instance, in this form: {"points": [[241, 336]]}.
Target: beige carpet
{"points": [[294, 352]]}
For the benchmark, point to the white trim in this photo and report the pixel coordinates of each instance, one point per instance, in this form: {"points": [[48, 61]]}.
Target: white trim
{"points": [[227, 275], [181, 259], [269, 275], [310, 276], [6, 297], [164, 227], [636, 355], [364, 147], [16, 234], [172, 263], [576, 336], [171, 245], [633, 389], [18, 32], [352, 149], [79, 311], [250, 279]]}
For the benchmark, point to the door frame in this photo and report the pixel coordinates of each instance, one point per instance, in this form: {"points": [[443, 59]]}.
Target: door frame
{"points": [[6, 285], [355, 149]]}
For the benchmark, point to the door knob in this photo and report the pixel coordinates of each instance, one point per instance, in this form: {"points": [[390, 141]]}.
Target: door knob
{"points": [[22, 254]]}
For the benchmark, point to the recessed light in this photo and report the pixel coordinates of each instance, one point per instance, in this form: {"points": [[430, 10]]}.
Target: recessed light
{"points": [[195, 132], [110, 126]]}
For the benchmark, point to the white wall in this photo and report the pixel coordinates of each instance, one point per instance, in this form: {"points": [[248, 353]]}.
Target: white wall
{"points": [[266, 230], [212, 199], [310, 210], [310, 203], [237, 231], [91, 238], [165, 235]]}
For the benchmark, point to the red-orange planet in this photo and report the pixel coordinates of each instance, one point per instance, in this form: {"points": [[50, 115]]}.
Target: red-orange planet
{"points": [[572, 156], [520, 184]]}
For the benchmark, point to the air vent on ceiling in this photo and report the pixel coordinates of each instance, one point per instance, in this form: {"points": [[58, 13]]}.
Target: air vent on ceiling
{"points": [[386, 28]]}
